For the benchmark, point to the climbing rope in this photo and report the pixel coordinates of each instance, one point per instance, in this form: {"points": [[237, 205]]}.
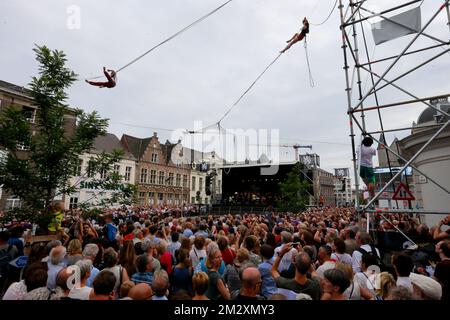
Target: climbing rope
{"points": [[171, 37], [311, 79]]}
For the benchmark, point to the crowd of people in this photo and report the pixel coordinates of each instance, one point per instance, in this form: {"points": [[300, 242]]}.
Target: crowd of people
{"points": [[145, 254]]}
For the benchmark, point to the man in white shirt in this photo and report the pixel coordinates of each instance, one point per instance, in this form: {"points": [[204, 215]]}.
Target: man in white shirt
{"points": [[286, 260], [364, 242], [366, 165], [403, 266], [324, 257]]}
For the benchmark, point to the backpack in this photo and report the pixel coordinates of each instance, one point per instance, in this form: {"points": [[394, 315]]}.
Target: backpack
{"points": [[373, 252]]}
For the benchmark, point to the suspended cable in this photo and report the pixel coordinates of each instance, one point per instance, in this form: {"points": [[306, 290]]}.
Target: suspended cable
{"points": [[249, 88], [311, 79], [331, 12], [171, 37]]}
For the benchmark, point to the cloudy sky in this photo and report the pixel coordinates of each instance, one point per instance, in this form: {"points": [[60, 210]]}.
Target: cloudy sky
{"points": [[200, 74]]}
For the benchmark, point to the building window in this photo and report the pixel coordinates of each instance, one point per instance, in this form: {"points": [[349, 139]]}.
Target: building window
{"points": [[154, 157], [23, 145], [160, 198], [200, 184], [90, 169], [193, 200], [12, 203], [169, 198], [73, 203], [29, 114], [143, 175], [151, 197], [77, 171], [193, 184], [153, 176], [178, 181], [161, 178], [177, 199], [127, 173], [185, 180], [116, 169], [103, 174], [170, 179]]}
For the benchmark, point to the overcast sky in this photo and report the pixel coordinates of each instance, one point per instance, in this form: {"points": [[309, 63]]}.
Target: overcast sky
{"points": [[198, 75]]}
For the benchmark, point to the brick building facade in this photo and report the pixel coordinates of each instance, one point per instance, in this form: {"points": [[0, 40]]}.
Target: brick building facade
{"points": [[159, 179]]}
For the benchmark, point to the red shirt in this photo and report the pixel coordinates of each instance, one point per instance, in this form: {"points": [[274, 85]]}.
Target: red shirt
{"points": [[166, 262], [228, 256]]}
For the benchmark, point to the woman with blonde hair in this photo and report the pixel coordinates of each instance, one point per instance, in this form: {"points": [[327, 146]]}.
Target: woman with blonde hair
{"points": [[74, 252], [216, 288], [200, 283], [384, 282]]}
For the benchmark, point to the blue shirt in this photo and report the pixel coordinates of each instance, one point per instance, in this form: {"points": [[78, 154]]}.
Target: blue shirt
{"points": [[268, 285], [202, 267], [94, 273], [143, 277], [111, 231]]}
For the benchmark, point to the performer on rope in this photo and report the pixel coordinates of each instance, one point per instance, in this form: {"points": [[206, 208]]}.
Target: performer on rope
{"points": [[366, 164], [110, 75], [298, 36]]}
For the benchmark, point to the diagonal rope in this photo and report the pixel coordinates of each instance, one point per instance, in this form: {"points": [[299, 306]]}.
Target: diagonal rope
{"points": [[171, 37], [311, 79], [327, 18], [249, 88]]}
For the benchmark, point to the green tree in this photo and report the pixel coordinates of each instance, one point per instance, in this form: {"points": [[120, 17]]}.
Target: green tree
{"points": [[44, 171], [294, 190]]}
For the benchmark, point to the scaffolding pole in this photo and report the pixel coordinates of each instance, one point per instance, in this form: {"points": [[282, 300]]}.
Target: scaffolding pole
{"points": [[406, 54], [406, 211], [348, 23], [412, 166], [414, 157], [352, 46], [403, 129], [401, 54], [349, 103]]}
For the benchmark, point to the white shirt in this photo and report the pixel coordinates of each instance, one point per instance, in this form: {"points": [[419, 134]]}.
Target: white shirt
{"points": [[80, 293], [366, 156], [287, 258], [356, 257], [16, 291], [405, 282], [327, 265], [196, 255], [344, 258], [365, 281]]}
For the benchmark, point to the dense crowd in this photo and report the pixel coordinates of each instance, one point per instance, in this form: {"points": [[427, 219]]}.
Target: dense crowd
{"points": [[162, 254]]}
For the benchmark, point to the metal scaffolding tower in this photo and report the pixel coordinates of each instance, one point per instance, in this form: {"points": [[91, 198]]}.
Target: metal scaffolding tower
{"points": [[353, 14]]}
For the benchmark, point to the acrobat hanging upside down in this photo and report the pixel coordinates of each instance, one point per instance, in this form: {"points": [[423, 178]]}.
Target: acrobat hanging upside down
{"points": [[110, 75], [298, 36]]}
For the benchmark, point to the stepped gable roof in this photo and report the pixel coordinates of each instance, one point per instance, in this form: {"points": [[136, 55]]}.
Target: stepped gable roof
{"points": [[108, 143], [135, 146]]}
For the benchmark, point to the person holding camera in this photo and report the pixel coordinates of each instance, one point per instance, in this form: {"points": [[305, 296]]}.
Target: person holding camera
{"points": [[442, 235]]}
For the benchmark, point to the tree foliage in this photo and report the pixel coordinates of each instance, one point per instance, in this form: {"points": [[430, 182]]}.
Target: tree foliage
{"points": [[295, 190], [53, 145]]}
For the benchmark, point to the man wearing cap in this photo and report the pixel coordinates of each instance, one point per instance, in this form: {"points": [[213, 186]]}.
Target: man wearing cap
{"points": [[425, 287]]}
